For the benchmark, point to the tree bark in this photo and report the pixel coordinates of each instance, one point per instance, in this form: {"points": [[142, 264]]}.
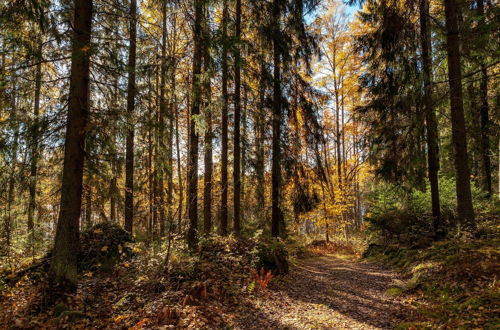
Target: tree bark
{"points": [[459, 136], [208, 161], [237, 119], [34, 147], [224, 147], [192, 191], [162, 148], [12, 168], [276, 147], [484, 115], [259, 136], [131, 92], [430, 116], [63, 268]]}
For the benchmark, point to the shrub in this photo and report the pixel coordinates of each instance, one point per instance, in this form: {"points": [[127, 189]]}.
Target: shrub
{"points": [[397, 215], [273, 256]]}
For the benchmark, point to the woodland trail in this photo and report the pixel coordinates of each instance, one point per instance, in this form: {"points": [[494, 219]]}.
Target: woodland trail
{"points": [[329, 292]]}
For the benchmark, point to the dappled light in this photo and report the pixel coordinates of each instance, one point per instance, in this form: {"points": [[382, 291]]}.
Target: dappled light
{"points": [[249, 164]]}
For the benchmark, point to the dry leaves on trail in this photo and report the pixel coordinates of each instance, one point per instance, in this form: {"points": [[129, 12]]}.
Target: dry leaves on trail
{"points": [[330, 293]]}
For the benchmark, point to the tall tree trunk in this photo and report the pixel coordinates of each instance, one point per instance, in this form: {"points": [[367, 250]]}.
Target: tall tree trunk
{"points": [[208, 161], [459, 136], [485, 133], [63, 267], [9, 221], [162, 149], [276, 147], [259, 136], [179, 160], [192, 190], [150, 163], [34, 147], [243, 149], [237, 119], [131, 92], [224, 147], [484, 114], [430, 116], [113, 187]]}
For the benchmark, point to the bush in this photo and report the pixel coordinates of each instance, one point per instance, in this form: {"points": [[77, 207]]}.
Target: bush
{"points": [[273, 256], [396, 215]]}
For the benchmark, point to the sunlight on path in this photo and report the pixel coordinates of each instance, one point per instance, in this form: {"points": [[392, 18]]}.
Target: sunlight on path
{"points": [[330, 293]]}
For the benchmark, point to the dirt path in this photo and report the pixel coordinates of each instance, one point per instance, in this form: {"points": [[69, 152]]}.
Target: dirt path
{"points": [[329, 293]]}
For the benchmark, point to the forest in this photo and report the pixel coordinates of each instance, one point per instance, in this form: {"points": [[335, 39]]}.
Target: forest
{"points": [[249, 164]]}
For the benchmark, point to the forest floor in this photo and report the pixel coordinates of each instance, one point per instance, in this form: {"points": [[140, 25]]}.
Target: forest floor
{"points": [[330, 292], [321, 291], [451, 284]]}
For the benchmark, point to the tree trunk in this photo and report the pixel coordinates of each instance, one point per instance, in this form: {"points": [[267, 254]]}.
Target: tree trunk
{"points": [[430, 116], [12, 169], [179, 165], [88, 204], [192, 191], [459, 136], [243, 149], [237, 119], [276, 147], [259, 145], [162, 149], [484, 114], [63, 268], [208, 162], [485, 132], [113, 187], [224, 147], [34, 147], [129, 153]]}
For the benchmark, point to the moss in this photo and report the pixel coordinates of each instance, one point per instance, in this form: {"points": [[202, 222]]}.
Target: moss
{"points": [[455, 281], [394, 291]]}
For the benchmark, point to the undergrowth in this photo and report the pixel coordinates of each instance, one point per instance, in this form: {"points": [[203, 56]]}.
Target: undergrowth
{"points": [[456, 282]]}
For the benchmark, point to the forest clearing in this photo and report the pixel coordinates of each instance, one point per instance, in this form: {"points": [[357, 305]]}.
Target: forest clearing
{"points": [[249, 164]]}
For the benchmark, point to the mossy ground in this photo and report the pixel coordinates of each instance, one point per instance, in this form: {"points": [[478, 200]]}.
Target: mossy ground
{"points": [[456, 281]]}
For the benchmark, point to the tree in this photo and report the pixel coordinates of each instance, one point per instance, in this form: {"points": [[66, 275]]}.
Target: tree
{"points": [[207, 93], [237, 119], [276, 123], [430, 115], [34, 145], [224, 124], [63, 267], [131, 92], [459, 135], [192, 189]]}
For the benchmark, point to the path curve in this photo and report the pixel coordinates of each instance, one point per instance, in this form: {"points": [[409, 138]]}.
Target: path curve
{"points": [[330, 293]]}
